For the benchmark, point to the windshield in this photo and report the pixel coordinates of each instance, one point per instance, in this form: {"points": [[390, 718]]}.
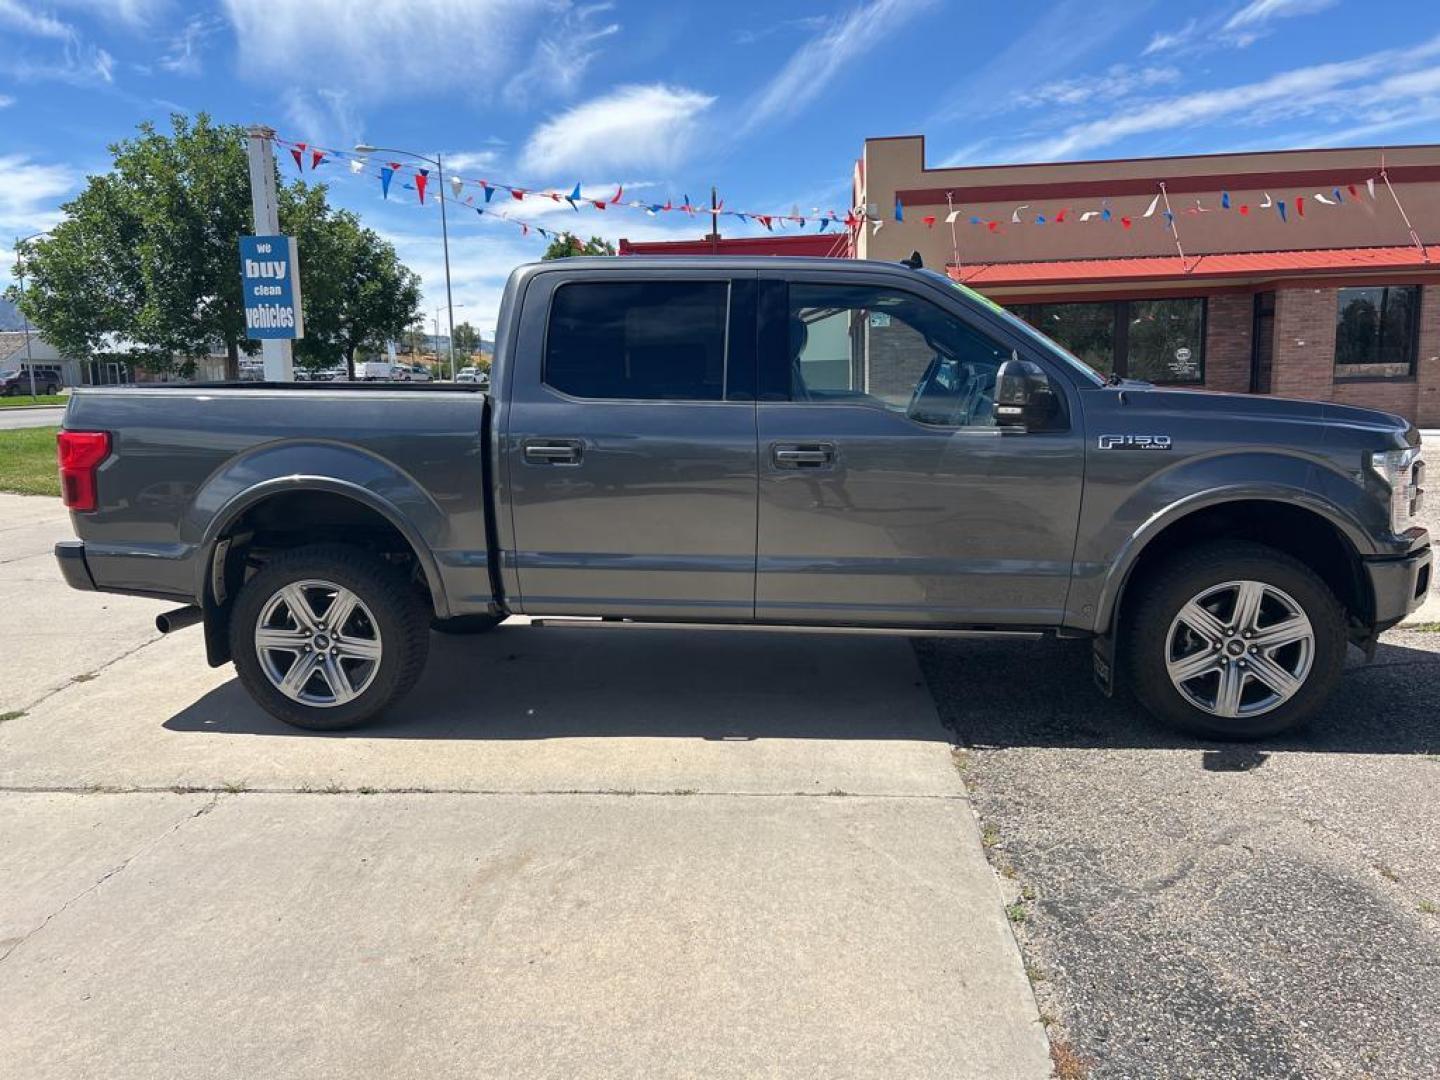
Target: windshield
{"points": [[10, 373], [1082, 369]]}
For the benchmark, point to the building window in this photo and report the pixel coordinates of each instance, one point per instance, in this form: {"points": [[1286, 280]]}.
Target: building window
{"points": [[638, 340], [1376, 332], [1160, 341]]}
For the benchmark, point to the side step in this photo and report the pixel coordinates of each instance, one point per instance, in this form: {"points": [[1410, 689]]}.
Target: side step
{"points": [[601, 623]]}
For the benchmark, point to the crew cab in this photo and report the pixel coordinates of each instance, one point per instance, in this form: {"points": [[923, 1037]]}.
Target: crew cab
{"points": [[840, 445]]}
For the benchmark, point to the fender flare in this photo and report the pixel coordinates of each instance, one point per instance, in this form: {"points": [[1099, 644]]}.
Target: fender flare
{"points": [[243, 500], [1126, 559]]}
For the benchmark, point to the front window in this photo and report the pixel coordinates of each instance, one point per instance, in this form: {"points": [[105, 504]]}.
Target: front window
{"points": [[1159, 340], [1376, 330], [893, 350]]}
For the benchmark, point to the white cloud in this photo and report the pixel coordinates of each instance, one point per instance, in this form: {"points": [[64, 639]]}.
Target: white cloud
{"points": [[562, 54], [186, 47], [811, 67], [30, 193], [470, 161], [1116, 82], [1338, 92], [1258, 12], [324, 117], [16, 16], [639, 127], [390, 49], [1165, 41], [6, 101]]}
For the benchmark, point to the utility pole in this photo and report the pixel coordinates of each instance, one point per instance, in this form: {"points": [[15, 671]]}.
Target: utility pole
{"points": [[714, 236], [24, 319], [277, 353]]}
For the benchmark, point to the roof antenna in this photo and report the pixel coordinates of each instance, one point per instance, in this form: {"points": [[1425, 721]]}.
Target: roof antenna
{"points": [[914, 262]]}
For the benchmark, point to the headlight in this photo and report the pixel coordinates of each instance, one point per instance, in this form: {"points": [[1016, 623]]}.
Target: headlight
{"points": [[1403, 472]]}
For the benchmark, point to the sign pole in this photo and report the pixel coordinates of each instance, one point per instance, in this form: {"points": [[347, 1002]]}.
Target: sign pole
{"points": [[276, 352]]}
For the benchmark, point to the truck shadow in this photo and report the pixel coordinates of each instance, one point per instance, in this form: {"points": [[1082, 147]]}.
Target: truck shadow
{"points": [[530, 683]]}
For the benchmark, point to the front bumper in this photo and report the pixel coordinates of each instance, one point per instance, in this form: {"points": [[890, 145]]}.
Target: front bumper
{"points": [[70, 554], [1399, 585]]}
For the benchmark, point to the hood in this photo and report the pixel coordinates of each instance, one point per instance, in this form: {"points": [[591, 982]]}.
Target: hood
{"points": [[1263, 407]]}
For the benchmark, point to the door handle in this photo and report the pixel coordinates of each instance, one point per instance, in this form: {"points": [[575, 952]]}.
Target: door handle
{"points": [[553, 452], [803, 455]]}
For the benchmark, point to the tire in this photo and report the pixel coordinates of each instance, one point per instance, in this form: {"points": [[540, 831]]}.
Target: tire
{"points": [[49, 389], [1158, 637], [388, 618], [467, 624]]}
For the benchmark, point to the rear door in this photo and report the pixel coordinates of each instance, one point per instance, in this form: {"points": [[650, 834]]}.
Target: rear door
{"points": [[629, 446], [888, 493]]}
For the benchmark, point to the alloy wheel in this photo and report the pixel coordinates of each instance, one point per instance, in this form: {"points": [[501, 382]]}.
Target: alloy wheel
{"points": [[1240, 649], [318, 643]]}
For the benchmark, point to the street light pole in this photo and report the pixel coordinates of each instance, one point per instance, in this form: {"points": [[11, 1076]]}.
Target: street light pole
{"points": [[438, 162]]}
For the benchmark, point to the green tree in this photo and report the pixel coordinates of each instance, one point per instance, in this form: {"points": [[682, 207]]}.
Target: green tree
{"points": [[148, 252], [467, 340], [567, 244]]}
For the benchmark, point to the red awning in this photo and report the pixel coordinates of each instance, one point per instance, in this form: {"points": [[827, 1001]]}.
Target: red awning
{"points": [[1195, 268]]}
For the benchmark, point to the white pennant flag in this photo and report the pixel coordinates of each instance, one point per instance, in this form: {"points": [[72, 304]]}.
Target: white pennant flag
{"points": [[1269, 202], [357, 165], [951, 216], [1324, 199], [1370, 186], [1088, 214], [457, 185], [1015, 215], [877, 224], [1150, 210]]}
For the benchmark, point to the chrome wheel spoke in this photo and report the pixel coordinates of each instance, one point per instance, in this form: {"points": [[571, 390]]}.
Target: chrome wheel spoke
{"points": [[294, 681], [1291, 630], [1274, 676], [1192, 667], [270, 637], [1248, 598], [340, 610], [1232, 684], [334, 674], [1203, 623], [358, 648], [298, 604]]}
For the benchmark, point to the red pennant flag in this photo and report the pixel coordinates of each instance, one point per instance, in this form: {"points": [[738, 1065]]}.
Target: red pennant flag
{"points": [[1300, 205], [928, 219], [1354, 191], [524, 229], [618, 192], [517, 193], [1245, 209], [422, 177], [667, 205], [297, 152], [993, 226], [599, 204], [851, 220], [316, 157], [1060, 217], [1126, 222]]}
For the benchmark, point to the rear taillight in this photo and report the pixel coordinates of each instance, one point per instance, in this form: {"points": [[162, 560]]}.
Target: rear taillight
{"points": [[81, 453]]}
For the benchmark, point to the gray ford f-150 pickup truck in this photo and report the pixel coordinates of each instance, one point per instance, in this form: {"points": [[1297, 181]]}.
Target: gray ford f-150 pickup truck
{"points": [[771, 442]]}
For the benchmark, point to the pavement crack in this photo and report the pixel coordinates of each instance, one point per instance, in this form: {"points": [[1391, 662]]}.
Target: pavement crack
{"points": [[363, 790], [12, 946], [87, 676]]}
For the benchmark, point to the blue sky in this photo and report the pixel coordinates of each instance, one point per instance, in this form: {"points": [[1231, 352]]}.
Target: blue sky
{"points": [[771, 102]]}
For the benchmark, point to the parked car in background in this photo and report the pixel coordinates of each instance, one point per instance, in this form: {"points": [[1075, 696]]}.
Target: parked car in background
{"points": [[839, 445], [381, 371], [49, 378], [419, 373], [474, 375]]}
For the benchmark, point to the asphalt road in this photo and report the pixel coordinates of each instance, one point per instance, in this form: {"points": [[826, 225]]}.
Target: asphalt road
{"points": [[12, 417], [570, 853], [1204, 910]]}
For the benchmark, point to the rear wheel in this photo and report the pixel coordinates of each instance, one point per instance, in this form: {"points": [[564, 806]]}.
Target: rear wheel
{"points": [[328, 636], [49, 389], [1235, 641]]}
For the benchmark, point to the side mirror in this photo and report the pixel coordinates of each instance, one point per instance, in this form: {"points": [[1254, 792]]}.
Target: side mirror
{"points": [[1024, 396]]}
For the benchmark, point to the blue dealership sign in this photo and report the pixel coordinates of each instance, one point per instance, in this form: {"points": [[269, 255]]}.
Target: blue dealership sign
{"points": [[270, 282]]}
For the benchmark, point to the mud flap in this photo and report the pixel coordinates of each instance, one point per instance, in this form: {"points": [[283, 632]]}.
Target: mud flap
{"points": [[1103, 658]]}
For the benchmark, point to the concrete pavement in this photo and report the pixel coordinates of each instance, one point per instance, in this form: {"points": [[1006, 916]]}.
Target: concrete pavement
{"points": [[27, 418], [569, 853]]}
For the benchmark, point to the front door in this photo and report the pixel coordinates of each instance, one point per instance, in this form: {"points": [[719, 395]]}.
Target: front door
{"points": [[888, 493], [629, 449]]}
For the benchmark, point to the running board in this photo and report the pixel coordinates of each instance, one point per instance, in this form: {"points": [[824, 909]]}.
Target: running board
{"points": [[599, 623]]}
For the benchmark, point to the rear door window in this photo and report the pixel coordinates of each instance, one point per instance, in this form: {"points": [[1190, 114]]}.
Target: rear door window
{"points": [[638, 340]]}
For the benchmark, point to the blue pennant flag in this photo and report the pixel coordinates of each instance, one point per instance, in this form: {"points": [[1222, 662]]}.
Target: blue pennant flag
{"points": [[974, 220], [743, 218], [489, 192], [385, 174], [1280, 206], [573, 198], [1039, 219], [1338, 197], [1225, 200], [480, 210], [1169, 221], [1105, 214], [824, 223], [899, 210]]}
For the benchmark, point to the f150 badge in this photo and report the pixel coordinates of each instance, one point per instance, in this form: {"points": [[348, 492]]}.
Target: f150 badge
{"points": [[1135, 442]]}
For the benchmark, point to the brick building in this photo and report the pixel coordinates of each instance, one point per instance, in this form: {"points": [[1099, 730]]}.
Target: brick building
{"points": [[1333, 300]]}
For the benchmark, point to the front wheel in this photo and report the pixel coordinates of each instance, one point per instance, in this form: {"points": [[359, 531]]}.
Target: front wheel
{"points": [[328, 636], [1235, 641]]}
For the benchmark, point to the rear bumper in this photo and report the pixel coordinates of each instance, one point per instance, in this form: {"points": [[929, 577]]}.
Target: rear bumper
{"points": [[70, 554], [1399, 585]]}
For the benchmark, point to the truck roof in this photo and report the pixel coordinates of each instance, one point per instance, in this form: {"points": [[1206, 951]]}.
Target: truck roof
{"points": [[621, 264]]}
